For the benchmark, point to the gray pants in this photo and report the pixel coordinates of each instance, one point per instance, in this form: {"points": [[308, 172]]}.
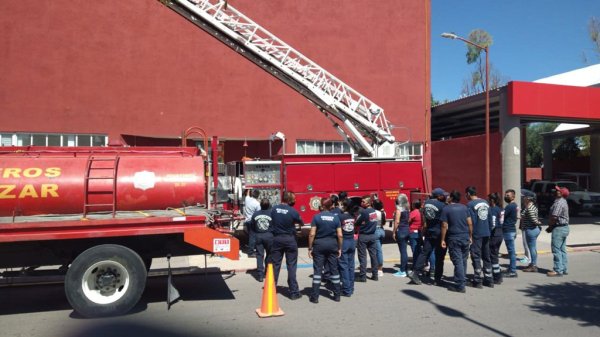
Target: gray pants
{"points": [[367, 242]]}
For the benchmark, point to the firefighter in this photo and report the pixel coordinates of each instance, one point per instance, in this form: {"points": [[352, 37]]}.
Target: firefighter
{"points": [[497, 217], [432, 209], [261, 224], [479, 210], [457, 235], [285, 219], [325, 247], [346, 260], [367, 241]]}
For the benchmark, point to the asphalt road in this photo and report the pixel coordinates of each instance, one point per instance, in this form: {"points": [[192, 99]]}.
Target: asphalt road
{"points": [[224, 305]]}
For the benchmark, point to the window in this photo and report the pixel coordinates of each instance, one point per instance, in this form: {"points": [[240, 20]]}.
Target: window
{"points": [[52, 139], [316, 147], [410, 151]]}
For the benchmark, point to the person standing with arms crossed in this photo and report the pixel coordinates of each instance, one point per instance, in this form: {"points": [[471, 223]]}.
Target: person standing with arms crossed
{"points": [[457, 235], [325, 247], [285, 219]]}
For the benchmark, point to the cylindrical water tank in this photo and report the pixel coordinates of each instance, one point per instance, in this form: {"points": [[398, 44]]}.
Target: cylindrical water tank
{"points": [[42, 181]]}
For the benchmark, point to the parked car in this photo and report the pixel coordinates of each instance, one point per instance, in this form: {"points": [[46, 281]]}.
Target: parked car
{"points": [[579, 200]]}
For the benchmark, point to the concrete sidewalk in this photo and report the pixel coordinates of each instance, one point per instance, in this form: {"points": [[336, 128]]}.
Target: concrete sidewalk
{"points": [[584, 235]]}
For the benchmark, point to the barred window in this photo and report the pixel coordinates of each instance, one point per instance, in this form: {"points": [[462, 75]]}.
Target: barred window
{"points": [[52, 139], [317, 147]]}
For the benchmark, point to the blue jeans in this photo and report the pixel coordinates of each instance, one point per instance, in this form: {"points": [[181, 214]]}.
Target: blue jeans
{"points": [[402, 240], [531, 236], [346, 265], [416, 245], [509, 240], [559, 248], [380, 234]]}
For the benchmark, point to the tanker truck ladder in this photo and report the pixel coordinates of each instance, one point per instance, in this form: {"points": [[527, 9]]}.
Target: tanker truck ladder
{"points": [[98, 169], [361, 117]]}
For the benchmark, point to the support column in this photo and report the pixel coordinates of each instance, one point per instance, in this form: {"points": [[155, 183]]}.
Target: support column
{"points": [[595, 162], [510, 128], [547, 153]]}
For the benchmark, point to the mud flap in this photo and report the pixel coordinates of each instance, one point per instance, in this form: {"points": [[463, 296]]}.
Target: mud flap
{"points": [[172, 293]]}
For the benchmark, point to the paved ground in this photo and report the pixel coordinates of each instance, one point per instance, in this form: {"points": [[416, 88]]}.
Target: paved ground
{"points": [[224, 305], [217, 303]]}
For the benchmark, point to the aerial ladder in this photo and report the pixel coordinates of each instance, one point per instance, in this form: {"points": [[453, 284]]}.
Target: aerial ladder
{"points": [[357, 119]]}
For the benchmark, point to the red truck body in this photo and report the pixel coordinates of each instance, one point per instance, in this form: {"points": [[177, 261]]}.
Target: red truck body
{"points": [[103, 214]]}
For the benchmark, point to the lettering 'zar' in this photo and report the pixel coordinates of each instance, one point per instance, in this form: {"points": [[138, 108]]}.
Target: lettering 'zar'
{"points": [[13, 191]]}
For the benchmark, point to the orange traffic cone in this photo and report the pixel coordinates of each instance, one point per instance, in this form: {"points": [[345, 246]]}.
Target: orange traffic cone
{"points": [[269, 306]]}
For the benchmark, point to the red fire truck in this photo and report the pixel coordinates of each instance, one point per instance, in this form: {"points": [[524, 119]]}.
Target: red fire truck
{"points": [[101, 214]]}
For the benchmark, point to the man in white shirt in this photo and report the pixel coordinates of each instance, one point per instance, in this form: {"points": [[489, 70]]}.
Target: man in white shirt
{"points": [[251, 205]]}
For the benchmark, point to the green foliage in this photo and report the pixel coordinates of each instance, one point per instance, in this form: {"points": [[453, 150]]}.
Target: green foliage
{"points": [[594, 31], [535, 151], [479, 37], [567, 149]]}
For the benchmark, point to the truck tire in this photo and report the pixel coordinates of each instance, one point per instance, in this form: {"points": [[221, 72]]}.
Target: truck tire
{"points": [[105, 280]]}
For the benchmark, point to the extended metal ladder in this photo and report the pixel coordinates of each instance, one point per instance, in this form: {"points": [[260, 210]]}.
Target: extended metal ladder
{"points": [[98, 169], [359, 115]]}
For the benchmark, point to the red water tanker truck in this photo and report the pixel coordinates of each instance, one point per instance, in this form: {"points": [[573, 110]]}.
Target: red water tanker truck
{"points": [[101, 214]]}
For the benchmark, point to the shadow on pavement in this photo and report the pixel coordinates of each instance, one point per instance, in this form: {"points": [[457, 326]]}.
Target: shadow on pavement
{"points": [[51, 297], [128, 329], [576, 300], [450, 311]]}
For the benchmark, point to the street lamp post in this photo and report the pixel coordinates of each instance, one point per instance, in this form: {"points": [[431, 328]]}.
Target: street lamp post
{"points": [[487, 104]]}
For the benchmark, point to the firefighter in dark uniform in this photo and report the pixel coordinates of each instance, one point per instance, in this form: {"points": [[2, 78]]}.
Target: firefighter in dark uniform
{"points": [[367, 240], [285, 219], [432, 209], [457, 234], [261, 224], [325, 247], [496, 217], [479, 210], [346, 260]]}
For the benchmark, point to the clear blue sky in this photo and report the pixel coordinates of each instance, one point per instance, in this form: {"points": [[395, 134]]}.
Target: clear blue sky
{"points": [[532, 39]]}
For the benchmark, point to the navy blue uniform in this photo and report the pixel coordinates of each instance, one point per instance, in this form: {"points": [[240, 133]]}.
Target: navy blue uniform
{"points": [[261, 224], [367, 240], [284, 242], [325, 250], [479, 210], [457, 239], [496, 242], [346, 261], [432, 210]]}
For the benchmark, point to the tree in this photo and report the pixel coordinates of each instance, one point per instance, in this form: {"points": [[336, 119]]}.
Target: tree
{"points": [[594, 33], [535, 150], [475, 83], [567, 149]]}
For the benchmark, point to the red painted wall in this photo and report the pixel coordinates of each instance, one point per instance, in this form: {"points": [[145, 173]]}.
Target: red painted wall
{"points": [[136, 67], [460, 162]]}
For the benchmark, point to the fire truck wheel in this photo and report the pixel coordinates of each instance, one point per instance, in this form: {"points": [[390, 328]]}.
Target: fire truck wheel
{"points": [[105, 280]]}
